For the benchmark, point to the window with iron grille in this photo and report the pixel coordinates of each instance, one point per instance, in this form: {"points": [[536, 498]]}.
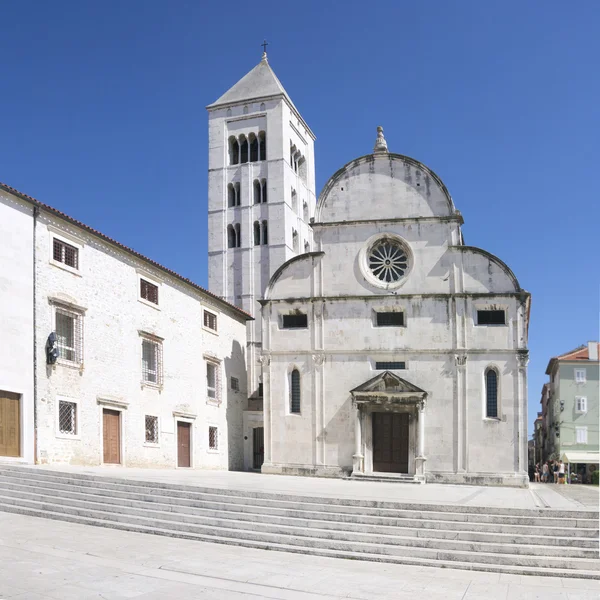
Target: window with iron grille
{"points": [[69, 334], [65, 253], [210, 320], [295, 394], [491, 394], [389, 365], [213, 438], [151, 361], [390, 319], [235, 384], [151, 429], [294, 321], [491, 317], [213, 391], [148, 291], [67, 417]]}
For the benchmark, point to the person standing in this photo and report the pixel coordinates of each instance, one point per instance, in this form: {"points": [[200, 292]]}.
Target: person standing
{"points": [[555, 471], [545, 472], [561, 471], [536, 475]]}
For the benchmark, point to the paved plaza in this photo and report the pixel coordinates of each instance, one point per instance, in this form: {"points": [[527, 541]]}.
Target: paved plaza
{"points": [[41, 559]]}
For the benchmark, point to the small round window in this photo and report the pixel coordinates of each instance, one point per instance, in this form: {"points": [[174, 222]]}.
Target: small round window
{"points": [[388, 260]]}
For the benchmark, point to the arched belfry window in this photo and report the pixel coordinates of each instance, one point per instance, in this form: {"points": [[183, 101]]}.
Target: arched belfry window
{"points": [[231, 195], [253, 148], [234, 151], [238, 236], [238, 195], [231, 237], [265, 233], [491, 393], [295, 391], [262, 145], [305, 211], [243, 149], [263, 187], [256, 233], [256, 187]]}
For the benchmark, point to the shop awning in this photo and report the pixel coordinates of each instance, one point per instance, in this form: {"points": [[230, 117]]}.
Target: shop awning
{"points": [[581, 457]]}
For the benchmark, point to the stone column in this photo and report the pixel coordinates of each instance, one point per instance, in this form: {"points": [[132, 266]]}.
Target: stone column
{"points": [[420, 459], [358, 458]]}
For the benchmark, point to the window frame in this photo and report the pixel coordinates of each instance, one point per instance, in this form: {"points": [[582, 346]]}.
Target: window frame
{"points": [[388, 312], [157, 442], [581, 400], [58, 432], [213, 313], [69, 241], [496, 371], [236, 387], [217, 398], [158, 357], [490, 310], [581, 430], [577, 371], [213, 449], [77, 315], [291, 410], [293, 314]]}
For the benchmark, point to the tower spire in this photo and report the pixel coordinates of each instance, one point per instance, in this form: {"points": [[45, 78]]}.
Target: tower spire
{"points": [[380, 143]]}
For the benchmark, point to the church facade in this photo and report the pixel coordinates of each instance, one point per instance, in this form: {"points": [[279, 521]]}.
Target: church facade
{"points": [[383, 345]]}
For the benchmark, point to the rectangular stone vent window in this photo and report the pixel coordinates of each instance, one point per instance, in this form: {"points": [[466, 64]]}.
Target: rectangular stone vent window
{"points": [[67, 417], [235, 384], [210, 320], [151, 429], [294, 321], [390, 365], [213, 438], [152, 362], [390, 319], [65, 253], [69, 334], [148, 291], [491, 317]]}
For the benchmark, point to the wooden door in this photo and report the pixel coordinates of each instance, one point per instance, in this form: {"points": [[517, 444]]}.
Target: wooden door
{"points": [[184, 431], [258, 442], [10, 424], [390, 442], [112, 436]]}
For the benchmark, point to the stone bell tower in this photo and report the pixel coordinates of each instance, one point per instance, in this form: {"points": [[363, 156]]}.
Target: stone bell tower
{"points": [[261, 194]]}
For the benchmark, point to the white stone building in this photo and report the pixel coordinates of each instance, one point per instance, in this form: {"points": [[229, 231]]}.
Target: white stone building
{"points": [[150, 369], [387, 344]]}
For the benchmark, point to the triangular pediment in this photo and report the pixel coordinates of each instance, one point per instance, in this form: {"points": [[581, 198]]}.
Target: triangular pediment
{"points": [[260, 82], [388, 383]]}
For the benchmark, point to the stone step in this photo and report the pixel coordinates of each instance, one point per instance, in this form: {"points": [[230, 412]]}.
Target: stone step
{"points": [[386, 478], [537, 517], [32, 490], [559, 567], [248, 495], [312, 529]]}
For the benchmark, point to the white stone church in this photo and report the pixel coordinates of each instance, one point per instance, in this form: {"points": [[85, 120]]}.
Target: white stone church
{"points": [[383, 345], [350, 335]]}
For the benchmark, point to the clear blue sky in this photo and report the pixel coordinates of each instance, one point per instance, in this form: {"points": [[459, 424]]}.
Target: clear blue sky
{"points": [[102, 112]]}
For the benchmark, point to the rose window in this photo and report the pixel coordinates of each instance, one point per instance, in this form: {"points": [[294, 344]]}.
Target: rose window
{"points": [[388, 260]]}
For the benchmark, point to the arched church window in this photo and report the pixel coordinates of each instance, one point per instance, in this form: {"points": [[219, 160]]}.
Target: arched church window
{"points": [[253, 148], [246, 109], [294, 200], [256, 187], [265, 233], [234, 151], [238, 195], [228, 112], [295, 240], [491, 393], [243, 149], [230, 195], [305, 211], [237, 235], [388, 260], [262, 143], [263, 187], [256, 233], [306, 246], [301, 170], [262, 106], [231, 237], [295, 392]]}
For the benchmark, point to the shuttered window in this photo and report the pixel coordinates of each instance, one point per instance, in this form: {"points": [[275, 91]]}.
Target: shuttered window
{"points": [[210, 320], [148, 291], [295, 391], [491, 394], [65, 253]]}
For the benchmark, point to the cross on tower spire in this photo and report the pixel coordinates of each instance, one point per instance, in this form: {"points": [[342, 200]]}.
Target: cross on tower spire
{"points": [[264, 45]]}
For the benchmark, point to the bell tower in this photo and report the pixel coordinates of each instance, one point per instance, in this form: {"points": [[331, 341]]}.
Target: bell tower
{"points": [[261, 194]]}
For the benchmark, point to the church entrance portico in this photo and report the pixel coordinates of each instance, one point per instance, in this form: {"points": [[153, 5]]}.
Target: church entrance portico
{"points": [[389, 427]]}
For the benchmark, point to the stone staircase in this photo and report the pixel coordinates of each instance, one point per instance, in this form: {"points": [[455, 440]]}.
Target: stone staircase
{"points": [[529, 542]]}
